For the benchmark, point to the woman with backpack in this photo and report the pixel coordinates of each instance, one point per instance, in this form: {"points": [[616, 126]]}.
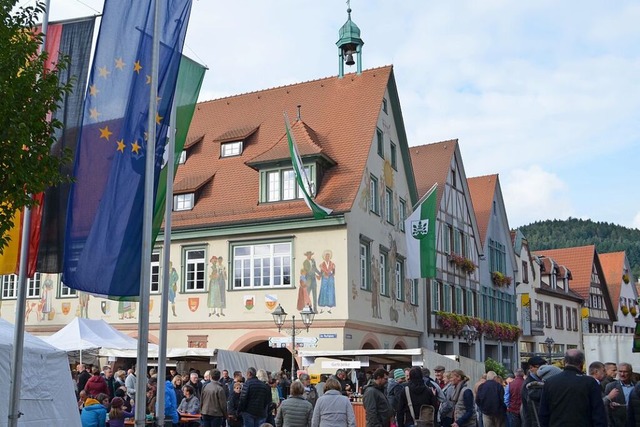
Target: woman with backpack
{"points": [[415, 395]]}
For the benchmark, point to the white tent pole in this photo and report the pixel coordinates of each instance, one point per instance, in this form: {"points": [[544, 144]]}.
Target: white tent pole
{"points": [[21, 302], [147, 221], [164, 309]]}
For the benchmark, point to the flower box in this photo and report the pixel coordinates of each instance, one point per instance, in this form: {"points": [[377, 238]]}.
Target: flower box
{"points": [[499, 279], [465, 264]]}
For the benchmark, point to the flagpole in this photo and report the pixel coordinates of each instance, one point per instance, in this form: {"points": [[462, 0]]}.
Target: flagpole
{"points": [[166, 279], [145, 273], [21, 302]]}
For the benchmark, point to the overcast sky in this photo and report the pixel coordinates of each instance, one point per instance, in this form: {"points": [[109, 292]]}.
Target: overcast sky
{"points": [[544, 93]]}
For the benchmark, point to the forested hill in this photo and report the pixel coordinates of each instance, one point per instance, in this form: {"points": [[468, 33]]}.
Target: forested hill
{"points": [[557, 234]]}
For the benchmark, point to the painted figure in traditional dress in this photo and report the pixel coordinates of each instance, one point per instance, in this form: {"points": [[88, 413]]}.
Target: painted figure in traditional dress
{"points": [[303, 291], [309, 265], [83, 304], [216, 300], [173, 287], [47, 298], [375, 289], [125, 309], [327, 296]]}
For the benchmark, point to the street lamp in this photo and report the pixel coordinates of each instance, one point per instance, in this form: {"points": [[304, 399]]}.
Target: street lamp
{"points": [[549, 342], [279, 317], [469, 334]]}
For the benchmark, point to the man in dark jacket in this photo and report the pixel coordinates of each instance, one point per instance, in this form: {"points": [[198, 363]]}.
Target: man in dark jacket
{"points": [[112, 384], [377, 408], [571, 398], [254, 400], [534, 363], [83, 376], [490, 401]]}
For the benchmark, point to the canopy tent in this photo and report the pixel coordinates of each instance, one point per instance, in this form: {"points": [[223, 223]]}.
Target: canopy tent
{"points": [[223, 359], [46, 395], [88, 336]]}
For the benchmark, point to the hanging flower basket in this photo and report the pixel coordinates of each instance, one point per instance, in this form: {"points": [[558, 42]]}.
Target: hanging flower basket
{"points": [[633, 311], [499, 279], [625, 278], [624, 309]]}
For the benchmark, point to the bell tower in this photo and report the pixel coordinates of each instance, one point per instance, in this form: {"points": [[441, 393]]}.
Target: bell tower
{"points": [[349, 44]]}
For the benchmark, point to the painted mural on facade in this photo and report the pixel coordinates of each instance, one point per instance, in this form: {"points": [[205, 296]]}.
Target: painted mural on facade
{"points": [[216, 299], [312, 274], [173, 287], [327, 298]]}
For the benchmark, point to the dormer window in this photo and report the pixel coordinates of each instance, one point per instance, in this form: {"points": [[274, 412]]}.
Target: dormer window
{"points": [[281, 184], [183, 202], [230, 149]]}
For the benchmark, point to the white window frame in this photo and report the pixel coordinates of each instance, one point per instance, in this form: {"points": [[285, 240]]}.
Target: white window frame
{"points": [[384, 285], [365, 265], [67, 292], [380, 142], [281, 184], [231, 149], [156, 273], [262, 265], [402, 213], [436, 296], [10, 286], [388, 204], [183, 202], [414, 291], [34, 286], [399, 280], [183, 157], [195, 269], [375, 196]]}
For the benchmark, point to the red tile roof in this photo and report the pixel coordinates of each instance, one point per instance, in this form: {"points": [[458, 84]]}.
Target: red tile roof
{"points": [[340, 118], [613, 269], [482, 190], [432, 164], [580, 261]]}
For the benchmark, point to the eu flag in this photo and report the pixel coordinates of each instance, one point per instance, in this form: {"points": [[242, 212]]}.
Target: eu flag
{"points": [[103, 240]]}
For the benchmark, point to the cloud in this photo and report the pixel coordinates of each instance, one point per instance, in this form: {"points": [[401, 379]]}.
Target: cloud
{"points": [[636, 221], [533, 194]]}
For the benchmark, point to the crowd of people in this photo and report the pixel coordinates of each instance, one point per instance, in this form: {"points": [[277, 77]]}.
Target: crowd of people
{"points": [[546, 395]]}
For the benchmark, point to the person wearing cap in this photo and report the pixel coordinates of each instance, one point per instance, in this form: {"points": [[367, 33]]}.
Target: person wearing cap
{"points": [[571, 398], [117, 414], [94, 414], [395, 388], [534, 364], [439, 374]]}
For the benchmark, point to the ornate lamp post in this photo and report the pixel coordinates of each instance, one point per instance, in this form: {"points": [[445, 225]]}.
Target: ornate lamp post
{"points": [[279, 317], [549, 343], [470, 334]]}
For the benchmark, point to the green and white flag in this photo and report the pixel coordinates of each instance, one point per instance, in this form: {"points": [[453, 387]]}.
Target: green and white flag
{"points": [[319, 212], [420, 233]]}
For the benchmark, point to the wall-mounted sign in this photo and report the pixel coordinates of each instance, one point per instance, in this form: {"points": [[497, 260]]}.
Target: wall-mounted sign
{"points": [[341, 364], [328, 335]]}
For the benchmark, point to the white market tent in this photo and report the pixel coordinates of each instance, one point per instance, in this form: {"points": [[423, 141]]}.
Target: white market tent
{"points": [[223, 359], [46, 395], [89, 336]]}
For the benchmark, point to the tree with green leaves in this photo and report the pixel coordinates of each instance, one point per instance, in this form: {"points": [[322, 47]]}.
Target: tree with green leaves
{"points": [[29, 97]]}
